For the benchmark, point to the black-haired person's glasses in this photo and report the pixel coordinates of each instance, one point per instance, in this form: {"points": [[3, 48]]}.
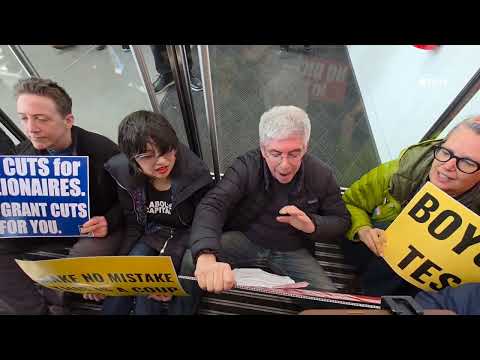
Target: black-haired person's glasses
{"points": [[151, 157], [465, 165]]}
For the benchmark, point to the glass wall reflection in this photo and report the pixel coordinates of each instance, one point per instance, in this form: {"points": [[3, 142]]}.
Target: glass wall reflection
{"points": [[248, 80], [103, 82], [10, 73]]}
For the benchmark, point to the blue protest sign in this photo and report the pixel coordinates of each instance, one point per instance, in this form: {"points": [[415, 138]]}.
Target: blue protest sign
{"points": [[43, 196]]}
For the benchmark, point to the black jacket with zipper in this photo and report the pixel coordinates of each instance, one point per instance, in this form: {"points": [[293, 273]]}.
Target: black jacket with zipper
{"points": [[190, 178], [102, 193], [244, 191], [6, 145]]}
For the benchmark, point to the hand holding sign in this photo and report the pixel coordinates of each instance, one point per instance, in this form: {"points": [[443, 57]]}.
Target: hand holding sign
{"points": [[373, 238], [159, 297], [95, 297], [297, 218], [101, 276], [43, 196], [97, 225], [435, 241]]}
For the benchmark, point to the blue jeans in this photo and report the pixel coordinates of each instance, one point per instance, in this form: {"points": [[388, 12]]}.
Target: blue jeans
{"points": [[123, 305], [238, 251]]}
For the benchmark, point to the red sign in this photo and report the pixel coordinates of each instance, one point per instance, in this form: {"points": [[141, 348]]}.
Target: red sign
{"points": [[427, 47], [327, 79]]}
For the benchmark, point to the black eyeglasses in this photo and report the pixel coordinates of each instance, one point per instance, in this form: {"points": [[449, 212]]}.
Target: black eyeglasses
{"points": [[465, 165]]}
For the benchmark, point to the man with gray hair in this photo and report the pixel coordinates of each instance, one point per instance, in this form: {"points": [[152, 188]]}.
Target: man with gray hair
{"points": [[271, 206], [377, 198]]}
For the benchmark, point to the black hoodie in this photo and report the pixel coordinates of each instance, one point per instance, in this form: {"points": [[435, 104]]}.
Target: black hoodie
{"points": [[191, 179]]}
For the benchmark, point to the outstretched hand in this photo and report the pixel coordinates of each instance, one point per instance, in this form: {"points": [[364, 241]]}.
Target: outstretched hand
{"points": [[296, 218]]}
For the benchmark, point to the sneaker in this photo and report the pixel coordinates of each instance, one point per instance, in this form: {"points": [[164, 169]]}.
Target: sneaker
{"points": [[163, 80], [283, 52], [100, 47], [61, 47], [196, 84], [126, 48]]}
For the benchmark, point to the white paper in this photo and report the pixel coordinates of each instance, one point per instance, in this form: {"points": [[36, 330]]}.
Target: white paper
{"points": [[258, 277]]}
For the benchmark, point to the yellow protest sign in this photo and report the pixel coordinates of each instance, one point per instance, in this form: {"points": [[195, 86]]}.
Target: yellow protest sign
{"points": [[107, 275], [434, 242]]}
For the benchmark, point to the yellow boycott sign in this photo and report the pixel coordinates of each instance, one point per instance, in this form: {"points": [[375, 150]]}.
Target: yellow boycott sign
{"points": [[107, 275], [435, 241]]}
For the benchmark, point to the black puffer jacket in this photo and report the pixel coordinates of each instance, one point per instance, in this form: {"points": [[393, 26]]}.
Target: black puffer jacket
{"points": [[102, 189], [6, 145], [243, 193], [191, 179]]}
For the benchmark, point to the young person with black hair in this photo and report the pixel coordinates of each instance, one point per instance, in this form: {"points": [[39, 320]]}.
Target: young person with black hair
{"points": [[160, 182]]}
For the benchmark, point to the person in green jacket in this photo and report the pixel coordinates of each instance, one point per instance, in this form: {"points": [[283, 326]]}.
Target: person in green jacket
{"points": [[378, 197]]}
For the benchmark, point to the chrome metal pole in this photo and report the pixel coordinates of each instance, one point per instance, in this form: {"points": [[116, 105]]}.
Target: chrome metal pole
{"points": [[204, 58], [146, 80], [11, 126], [463, 97], [177, 57], [24, 61]]}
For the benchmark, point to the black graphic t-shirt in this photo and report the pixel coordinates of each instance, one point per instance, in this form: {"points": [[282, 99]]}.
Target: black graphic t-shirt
{"points": [[159, 207]]}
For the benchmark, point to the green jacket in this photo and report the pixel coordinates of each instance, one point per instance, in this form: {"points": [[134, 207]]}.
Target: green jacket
{"points": [[380, 195]]}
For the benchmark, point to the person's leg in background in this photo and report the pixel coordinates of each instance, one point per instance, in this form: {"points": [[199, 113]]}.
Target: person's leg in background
{"points": [[195, 81], [300, 265], [162, 65], [165, 76]]}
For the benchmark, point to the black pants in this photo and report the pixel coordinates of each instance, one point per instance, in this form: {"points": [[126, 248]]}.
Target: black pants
{"points": [[376, 277], [18, 293], [160, 56]]}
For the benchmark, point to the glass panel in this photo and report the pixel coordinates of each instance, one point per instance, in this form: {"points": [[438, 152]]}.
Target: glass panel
{"points": [[471, 108], [10, 73], [159, 68], [406, 89], [104, 84], [248, 80], [9, 134]]}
